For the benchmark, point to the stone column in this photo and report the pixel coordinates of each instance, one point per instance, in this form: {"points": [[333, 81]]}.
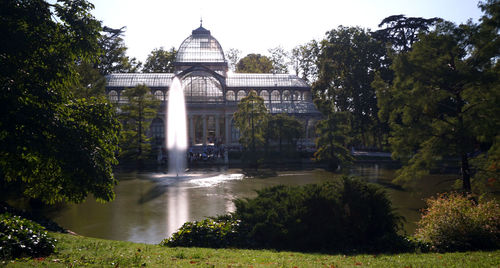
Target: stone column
{"points": [[191, 130], [204, 118], [217, 127], [227, 124]]}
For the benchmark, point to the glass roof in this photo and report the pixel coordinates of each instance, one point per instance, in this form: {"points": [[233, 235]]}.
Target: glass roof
{"points": [[232, 81], [264, 80], [133, 79], [201, 46]]}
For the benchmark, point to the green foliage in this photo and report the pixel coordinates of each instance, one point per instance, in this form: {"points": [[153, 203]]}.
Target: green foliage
{"points": [[251, 120], [52, 147], [455, 222], [113, 58], [89, 82], [342, 216], [254, 63], [160, 61], [284, 129], [332, 141], [136, 116], [279, 58], [304, 60], [219, 232], [21, 237], [440, 105], [348, 60], [402, 32]]}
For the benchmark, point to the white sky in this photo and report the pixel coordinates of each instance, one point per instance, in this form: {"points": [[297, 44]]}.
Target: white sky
{"points": [[257, 25]]}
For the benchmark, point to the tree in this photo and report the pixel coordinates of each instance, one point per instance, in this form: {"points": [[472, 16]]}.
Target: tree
{"points": [[160, 61], [254, 63], [402, 32], [304, 60], [251, 120], [233, 56], [444, 100], [113, 58], [136, 116], [284, 128], [279, 59], [347, 62], [52, 147], [332, 140], [89, 83]]}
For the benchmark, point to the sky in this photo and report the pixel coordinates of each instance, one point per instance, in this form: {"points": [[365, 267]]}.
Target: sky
{"points": [[258, 25]]}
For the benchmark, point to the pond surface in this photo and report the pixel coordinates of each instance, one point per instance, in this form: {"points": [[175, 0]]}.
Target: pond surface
{"points": [[151, 206]]}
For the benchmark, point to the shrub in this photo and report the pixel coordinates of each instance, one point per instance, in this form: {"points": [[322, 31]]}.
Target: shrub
{"points": [[455, 223], [212, 232], [21, 237], [348, 215], [47, 223]]}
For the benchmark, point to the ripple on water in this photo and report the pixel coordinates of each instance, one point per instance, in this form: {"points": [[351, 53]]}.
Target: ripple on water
{"points": [[211, 181]]}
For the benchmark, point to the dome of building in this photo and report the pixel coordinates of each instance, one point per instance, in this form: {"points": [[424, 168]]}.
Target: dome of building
{"points": [[201, 46]]}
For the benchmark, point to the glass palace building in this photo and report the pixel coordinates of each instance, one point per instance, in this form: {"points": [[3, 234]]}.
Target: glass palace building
{"points": [[212, 93]]}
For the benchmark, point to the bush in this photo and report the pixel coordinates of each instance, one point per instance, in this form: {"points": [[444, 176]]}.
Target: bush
{"points": [[212, 232], [349, 215], [455, 223], [21, 237], [47, 223]]}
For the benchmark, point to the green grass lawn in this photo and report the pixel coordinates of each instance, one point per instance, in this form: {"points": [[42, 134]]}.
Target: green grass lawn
{"points": [[77, 251]]}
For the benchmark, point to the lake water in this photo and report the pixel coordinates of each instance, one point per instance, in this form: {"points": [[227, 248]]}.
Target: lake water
{"points": [[151, 206]]}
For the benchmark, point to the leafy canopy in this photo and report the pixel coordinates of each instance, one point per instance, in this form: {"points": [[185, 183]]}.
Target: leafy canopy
{"points": [[160, 61], [251, 120], [284, 129], [52, 146], [444, 99], [136, 116], [254, 63]]}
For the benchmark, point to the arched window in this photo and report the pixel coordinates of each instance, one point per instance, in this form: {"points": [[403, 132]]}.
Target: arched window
{"points": [[265, 95], [113, 96], [201, 86], [275, 96], [230, 95], [159, 95], [306, 95], [287, 97], [296, 96], [241, 95]]}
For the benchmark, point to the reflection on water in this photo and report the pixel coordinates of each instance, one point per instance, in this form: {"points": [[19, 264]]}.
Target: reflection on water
{"points": [[150, 207], [178, 209]]}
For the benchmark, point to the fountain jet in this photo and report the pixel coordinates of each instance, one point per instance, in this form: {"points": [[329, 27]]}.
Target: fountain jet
{"points": [[176, 129]]}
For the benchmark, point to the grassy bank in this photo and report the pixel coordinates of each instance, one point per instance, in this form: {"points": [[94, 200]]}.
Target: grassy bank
{"points": [[76, 251]]}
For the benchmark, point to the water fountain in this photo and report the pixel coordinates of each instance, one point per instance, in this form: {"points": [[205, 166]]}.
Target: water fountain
{"points": [[176, 130]]}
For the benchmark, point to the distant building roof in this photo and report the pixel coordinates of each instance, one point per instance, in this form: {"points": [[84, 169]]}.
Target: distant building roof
{"points": [[237, 80], [125, 80], [264, 80]]}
